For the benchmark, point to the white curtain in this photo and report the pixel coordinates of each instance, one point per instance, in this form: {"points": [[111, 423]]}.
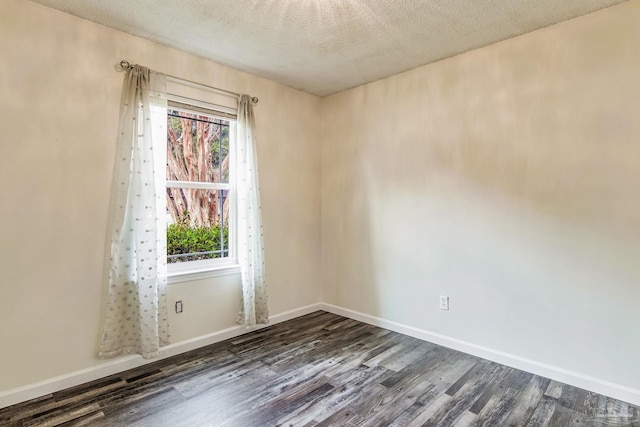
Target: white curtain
{"points": [[136, 314], [254, 307]]}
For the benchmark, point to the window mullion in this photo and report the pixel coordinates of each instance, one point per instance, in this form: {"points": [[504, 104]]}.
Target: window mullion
{"points": [[199, 185]]}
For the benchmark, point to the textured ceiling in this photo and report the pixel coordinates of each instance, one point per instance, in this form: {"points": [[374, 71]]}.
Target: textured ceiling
{"points": [[325, 46]]}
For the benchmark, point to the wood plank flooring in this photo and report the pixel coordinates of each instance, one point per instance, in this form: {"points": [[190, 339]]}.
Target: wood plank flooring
{"points": [[323, 370]]}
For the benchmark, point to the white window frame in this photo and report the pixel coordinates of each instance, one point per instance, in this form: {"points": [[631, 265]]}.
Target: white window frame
{"points": [[201, 269]]}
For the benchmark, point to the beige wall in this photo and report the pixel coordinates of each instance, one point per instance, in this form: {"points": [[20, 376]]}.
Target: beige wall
{"points": [[59, 112], [507, 178]]}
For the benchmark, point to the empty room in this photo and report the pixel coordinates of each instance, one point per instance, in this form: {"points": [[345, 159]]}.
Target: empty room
{"points": [[320, 213]]}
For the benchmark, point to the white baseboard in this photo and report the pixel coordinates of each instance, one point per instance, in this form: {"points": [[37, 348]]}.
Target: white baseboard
{"points": [[42, 388], [607, 388], [566, 376]]}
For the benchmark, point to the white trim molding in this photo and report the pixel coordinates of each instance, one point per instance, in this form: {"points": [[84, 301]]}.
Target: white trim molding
{"points": [[115, 366], [179, 275], [52, 385], [555, 373]]}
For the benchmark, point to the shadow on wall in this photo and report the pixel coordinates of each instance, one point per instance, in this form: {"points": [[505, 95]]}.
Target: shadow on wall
{"points": [[358, 251]]}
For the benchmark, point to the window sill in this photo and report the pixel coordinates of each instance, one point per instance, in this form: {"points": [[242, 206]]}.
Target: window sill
{"points": [[202, 273]]}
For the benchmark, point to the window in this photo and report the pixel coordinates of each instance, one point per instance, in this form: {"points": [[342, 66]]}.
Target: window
{"points": [[200, 199]]}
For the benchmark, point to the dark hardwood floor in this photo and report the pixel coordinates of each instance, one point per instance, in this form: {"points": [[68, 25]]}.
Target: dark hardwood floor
{"points": [[323, 370]]}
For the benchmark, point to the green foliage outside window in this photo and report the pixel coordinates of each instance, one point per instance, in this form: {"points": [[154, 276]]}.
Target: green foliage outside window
{"points": [[183, 238]]}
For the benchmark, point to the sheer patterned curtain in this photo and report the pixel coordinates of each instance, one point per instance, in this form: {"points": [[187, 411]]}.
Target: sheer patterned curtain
{"points": [[254, 307], [136, 315]]}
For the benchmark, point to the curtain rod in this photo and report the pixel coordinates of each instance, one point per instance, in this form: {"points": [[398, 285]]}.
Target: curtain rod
{"points": [[125, 65]]}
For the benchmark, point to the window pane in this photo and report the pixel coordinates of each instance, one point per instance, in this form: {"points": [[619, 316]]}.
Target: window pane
{"points": [[197, 147], [197, 224]]}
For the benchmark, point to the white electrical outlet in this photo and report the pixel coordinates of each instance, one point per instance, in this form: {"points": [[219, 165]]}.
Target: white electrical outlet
{"points": [[444, 302], [178, 306]]}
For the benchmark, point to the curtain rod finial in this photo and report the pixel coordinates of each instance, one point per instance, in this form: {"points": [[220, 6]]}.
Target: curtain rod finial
{"points": [[125, 65], [254, 99]]}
